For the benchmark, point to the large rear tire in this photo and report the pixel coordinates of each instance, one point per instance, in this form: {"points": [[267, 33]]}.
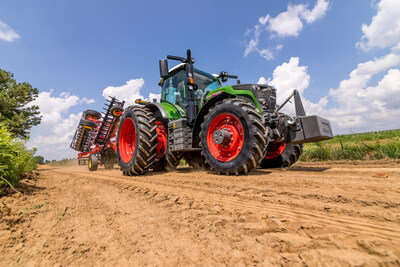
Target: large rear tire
{"points": [[283, 155], [233, 137], [136, 140]]}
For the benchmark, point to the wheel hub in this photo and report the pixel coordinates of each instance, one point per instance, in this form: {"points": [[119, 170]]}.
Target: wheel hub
{"points": [[222, 137], [225, 137]]}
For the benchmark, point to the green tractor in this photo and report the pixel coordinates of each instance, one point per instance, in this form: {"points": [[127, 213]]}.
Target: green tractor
{"points": [[229, 129]]}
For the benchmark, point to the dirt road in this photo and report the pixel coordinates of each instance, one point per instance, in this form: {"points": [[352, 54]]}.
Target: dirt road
{"points": [[310, 214]]}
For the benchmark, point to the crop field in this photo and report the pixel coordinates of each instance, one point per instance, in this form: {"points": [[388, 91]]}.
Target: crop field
{"points": [[363, 146]]}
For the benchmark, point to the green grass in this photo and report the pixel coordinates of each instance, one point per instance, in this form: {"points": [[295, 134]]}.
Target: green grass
{"points": [[15, 159], [363, 146]]}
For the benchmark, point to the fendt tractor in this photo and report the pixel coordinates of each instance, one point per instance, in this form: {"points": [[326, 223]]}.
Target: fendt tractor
{"points": [[95, 136], [229, 129]]}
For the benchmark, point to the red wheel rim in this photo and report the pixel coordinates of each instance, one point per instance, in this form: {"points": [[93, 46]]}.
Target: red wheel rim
{"points": [[276, 151], [161, 140], [227, 152], [127, 140]]}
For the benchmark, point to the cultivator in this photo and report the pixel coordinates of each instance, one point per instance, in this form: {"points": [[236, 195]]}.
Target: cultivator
{"points": [[94, 137]]}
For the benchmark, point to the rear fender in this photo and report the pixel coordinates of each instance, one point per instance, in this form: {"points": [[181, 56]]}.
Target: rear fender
{"points": [[153, 107]]}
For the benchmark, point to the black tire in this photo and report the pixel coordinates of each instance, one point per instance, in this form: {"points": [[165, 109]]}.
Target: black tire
{"points": [[289, 156], [108, 158], [93, 113], [170, 160], [142, 121], [117, 110], [93, 163], [88, 124], [255, 137]]}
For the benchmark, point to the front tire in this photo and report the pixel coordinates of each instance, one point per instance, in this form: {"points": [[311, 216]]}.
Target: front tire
{"points": [[136, 140], [233, 137], [283, 155]]}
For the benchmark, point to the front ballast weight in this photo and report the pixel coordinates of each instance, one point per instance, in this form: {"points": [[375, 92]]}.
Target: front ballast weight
{"points": [[302, 128], [95, 133]]}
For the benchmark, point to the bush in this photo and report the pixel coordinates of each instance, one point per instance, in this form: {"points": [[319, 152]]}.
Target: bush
{"points": [[15, 159]]}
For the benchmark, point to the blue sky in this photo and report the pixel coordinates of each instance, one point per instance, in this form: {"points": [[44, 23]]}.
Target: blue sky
{"points": [[75, 52]]}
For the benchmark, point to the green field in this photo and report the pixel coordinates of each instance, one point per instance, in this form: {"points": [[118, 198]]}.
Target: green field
{"points": [[362, 146]]}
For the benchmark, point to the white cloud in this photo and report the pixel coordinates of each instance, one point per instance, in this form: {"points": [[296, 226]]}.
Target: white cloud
{"points": [[267, 54], [154, 96], [287, 23], [52, 108], [384, 30], [7, 34], [264, 20], [317, 12], [359, 106], [287, 77], [129, 92], [54, 135]]}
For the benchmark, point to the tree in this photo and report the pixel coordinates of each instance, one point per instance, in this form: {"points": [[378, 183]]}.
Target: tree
{"points": [[15, 113], [39, 160]]}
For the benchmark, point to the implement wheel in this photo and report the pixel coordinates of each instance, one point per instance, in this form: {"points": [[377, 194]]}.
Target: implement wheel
{"points": [[281, 155], [233, 137], [136, 140], [93, 163], [93, 114]]}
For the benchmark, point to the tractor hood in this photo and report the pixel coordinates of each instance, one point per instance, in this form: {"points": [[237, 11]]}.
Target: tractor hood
{"points": [[265, 95]]}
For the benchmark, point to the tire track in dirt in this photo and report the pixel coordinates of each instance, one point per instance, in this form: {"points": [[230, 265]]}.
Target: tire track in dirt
{"points": [[386, 231]]}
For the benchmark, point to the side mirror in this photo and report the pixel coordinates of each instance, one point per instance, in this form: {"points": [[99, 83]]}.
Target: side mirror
{"points": [[163, 68]]}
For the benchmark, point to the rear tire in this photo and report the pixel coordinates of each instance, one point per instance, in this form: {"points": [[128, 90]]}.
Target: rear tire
{"points": [[290, 154], [136, 140], [93, 163], [248, 137]]}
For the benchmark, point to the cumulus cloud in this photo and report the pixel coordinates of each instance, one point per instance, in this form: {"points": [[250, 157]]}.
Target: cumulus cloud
{"points": [[384, 30], [52, 108], [356, 105], [287, 77], [53, 136], [129, 92], [7, 33], [285, 24]]}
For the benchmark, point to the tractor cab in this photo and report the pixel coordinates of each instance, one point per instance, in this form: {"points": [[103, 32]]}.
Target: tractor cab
{"points": [[173, 88]]}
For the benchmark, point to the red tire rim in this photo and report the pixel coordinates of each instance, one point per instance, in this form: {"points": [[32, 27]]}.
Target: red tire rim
{"points": [[276, 151], [127, 140], [230, 123], [161, 140]]}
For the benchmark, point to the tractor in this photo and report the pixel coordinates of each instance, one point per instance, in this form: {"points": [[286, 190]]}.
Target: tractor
{"points": [[228, 130], [95, 136]]}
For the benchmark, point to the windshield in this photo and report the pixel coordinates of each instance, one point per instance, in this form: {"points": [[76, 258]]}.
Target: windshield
{"points": [[173, 89]]}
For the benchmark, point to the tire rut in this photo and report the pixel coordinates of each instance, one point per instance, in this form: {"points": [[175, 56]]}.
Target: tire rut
{"points": [[387, 231]]}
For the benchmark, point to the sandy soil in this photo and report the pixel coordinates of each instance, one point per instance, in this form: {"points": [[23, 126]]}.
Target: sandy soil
{"points": [[312, 214]]}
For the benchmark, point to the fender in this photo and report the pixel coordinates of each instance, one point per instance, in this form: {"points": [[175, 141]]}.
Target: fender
{"points": [[153, 107]]}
